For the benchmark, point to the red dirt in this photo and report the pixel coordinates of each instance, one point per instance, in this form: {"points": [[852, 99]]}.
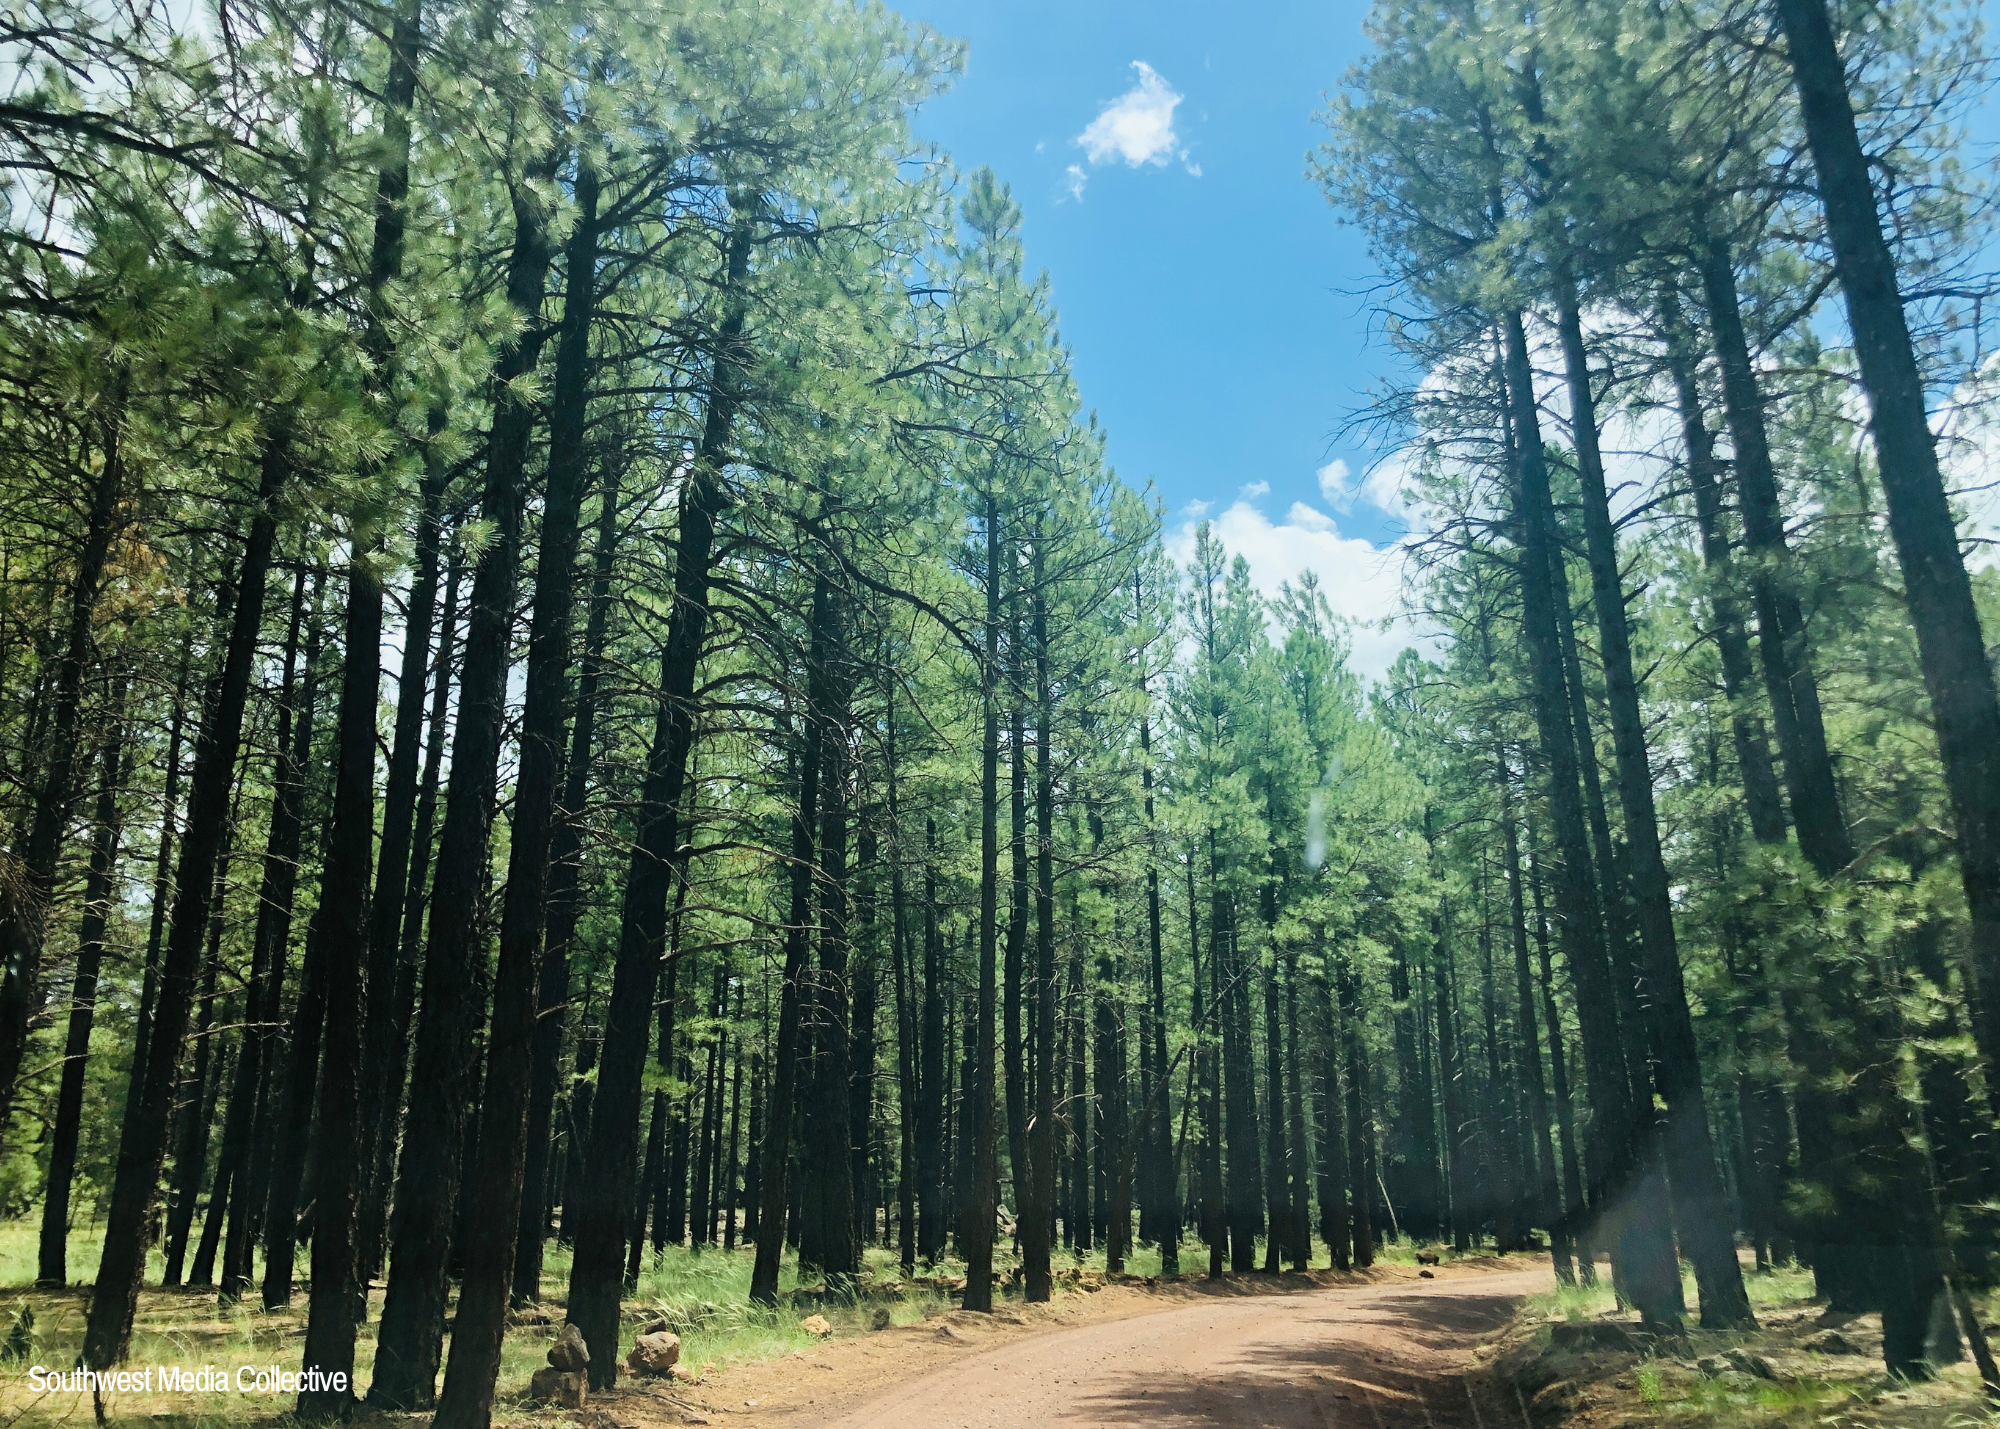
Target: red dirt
{"points": [[1394, 1355]]}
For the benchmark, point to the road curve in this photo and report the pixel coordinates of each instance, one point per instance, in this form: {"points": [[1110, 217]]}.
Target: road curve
{"points": [[1373, 1357]]}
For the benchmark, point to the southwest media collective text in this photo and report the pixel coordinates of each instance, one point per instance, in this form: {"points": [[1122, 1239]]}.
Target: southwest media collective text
{"points": [[181, 1379]]}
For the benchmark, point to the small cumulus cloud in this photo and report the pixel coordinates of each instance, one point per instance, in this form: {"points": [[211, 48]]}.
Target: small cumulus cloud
{"points": [[1333, 483], [1074, 180], [1137, 126], [1256, 489]]}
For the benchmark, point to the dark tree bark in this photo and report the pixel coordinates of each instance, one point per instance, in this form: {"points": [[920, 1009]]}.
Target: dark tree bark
{"points": [[291, 1095], [1700, 1200], [341, 1151], [1037, 1212], [1545, 1197], [21, 919], [1013, 970], [163, 863], [909, 1091], [1300, 1231], [416, 896], [933, 1084], [52, 1265], [827, 1239], [1360, 1117], [565, 867], [1652, 1278], [730, 1163], [862, 1044], [774, 1151], [1761, 798], [269, 949], [1334, 1225], [1788, 668], [1949, 640], [383, 1053], [1160, 1200], [480, 1322], [657, 858], [1214, 1227], [1239, 1084], [409, 1342], [142, 1147], [981, 1204], [381, 1038], [1559, 1084]]}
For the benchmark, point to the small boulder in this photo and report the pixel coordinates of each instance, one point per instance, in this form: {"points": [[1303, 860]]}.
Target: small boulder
{"points": [[880, 1319], [561, 1387], [1427, 1257], [654, 1354], [684, 1374], [1831, 1342], [1736, 1381], [1755, 1366], [1425, 1275], [569, 1353], [816, 1325]]}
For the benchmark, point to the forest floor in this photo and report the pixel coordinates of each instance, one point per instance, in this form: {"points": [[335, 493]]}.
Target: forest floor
{"points": [[1568, 1359], [1485, 1343]]}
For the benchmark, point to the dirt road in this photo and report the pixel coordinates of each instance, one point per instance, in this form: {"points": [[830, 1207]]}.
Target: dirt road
{"points": [[1370, 1357]]}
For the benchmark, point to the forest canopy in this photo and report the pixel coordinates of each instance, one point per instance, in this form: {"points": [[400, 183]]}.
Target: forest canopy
{"points": [[575, 679]]}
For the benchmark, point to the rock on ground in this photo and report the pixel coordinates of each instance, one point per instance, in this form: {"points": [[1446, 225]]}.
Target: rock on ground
{"points": [[564, 1387], [655, 1354], [569, 1353]]}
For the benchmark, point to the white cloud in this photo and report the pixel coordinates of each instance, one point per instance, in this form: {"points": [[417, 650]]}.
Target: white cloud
{"points": [[1333, 484], [1361, 582], [1074, 180], [1137, 126], [1256, 489], [1304, 515]]}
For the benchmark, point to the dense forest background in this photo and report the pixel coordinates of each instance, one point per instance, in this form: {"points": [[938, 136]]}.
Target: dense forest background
{"points": [[574, 679]]}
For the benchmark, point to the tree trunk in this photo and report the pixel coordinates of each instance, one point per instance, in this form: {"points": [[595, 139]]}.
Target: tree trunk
{"points": [[1753, 750], [1333, 1177], [341, 1151], [1545, 1199], [565, 867], [108, 1332], [381, 1037], [1788, 669], [21, 920], [774, 1153], [410, 1340], [480, 1322], [52, 1266], [257, 1066], [657, 858], [909, 1090], [827, 1239], [933, 1083], [1949, 641], [1614, 1158], [1688, 1145]]}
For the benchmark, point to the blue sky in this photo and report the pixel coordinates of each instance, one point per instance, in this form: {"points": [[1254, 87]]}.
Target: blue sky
{"points": [[1216, 307], [1211, 297]]}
